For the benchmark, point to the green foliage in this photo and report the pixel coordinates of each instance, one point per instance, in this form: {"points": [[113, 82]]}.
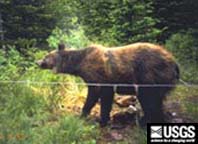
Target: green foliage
{"points": [[74, 38], [117, 22], [13, 63], [19, 111], [191, 108], [65, 14], [71, 130], [175, 15], [25, 118], [23, 44], [137, 135], [30, 112], [186, 97], [26, 21], [9, 64], [185, 48], [189, 73]]}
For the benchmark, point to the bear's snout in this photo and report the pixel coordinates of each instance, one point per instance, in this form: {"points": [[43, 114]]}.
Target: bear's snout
{"points": [[39, 62], [43, 64]]}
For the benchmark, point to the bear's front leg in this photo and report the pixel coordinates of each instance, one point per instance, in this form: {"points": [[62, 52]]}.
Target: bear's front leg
{"points": [[92, 99], [107, 95]]}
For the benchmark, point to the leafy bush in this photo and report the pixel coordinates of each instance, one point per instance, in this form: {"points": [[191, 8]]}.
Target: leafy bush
{"points": [[118, 22], [189, 73], [23, 44], [10, 62], [13, 64], [75, 38], [185, 48]]}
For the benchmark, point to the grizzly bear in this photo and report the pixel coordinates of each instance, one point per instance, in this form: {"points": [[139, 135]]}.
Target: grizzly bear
{"points": [[148, 66]]}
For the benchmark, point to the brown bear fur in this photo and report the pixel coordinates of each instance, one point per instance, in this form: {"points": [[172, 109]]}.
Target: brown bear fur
{"points": [[139, 63]]}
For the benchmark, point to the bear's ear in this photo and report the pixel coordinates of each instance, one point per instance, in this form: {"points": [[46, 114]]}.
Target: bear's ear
{"points": [[61, 47]]}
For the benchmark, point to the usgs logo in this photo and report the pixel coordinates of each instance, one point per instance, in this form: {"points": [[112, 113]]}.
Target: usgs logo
{"points": [[172, 133]]}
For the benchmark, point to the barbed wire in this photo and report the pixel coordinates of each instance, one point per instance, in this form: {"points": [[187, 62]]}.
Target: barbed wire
{"points": [[184, 84]]}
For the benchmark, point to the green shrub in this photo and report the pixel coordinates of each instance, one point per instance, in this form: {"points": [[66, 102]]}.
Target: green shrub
{"points": [[24, 44], [75, 38], [13, 64], [10, 62], [118, 22], [185, 48]]}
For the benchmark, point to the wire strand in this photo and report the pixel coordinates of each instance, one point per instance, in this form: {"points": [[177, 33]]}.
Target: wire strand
{"points": [[98, 84]]}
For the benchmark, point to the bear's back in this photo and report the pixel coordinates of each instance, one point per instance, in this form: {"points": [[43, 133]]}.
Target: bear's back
{"points": [[123, 64]]}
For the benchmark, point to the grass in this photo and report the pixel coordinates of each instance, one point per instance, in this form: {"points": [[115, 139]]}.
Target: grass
{"points": [[187, 98], [30, 114]]}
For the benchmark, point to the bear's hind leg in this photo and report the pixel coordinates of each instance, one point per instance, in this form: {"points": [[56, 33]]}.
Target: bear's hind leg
{"points": [[151, 100]]}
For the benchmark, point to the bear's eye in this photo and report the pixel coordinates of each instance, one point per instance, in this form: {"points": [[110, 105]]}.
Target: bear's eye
{"points": [[47, 60]]}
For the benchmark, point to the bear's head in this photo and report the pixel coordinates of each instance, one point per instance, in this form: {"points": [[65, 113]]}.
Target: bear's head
{"points": [[54, 60]]}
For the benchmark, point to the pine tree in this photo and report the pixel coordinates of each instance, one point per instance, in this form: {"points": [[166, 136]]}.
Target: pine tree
{"points": [[26, 20], [176, 15], [119, 21]]}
